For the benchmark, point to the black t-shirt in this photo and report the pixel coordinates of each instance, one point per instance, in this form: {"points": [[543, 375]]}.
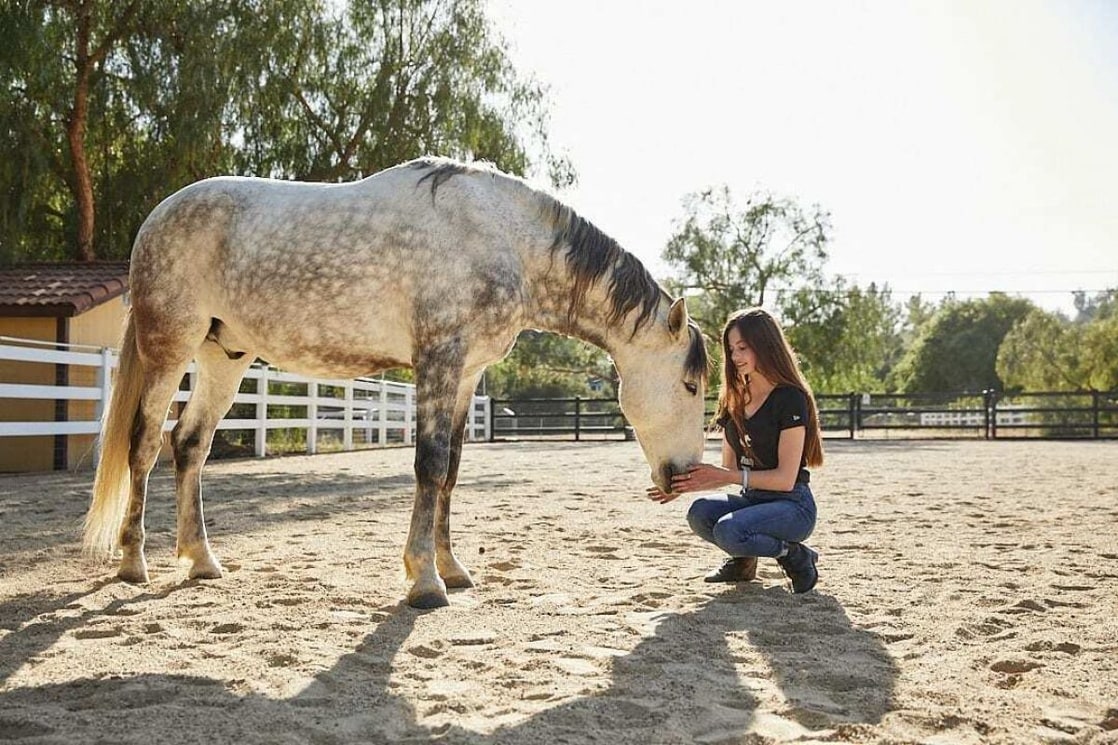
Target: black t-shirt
{"points": [[786, 407]]}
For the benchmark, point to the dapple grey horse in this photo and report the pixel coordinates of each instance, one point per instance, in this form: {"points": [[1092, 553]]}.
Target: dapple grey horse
{"points": [[433, 264]]}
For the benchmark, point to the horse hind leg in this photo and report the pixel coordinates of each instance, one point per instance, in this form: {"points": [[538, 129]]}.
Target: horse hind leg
{"points": [[219, 375], [453, 572], [159, 387]]}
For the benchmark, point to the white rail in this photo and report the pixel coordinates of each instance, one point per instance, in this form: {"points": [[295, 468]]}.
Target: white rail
{"points": [[365, 412]]}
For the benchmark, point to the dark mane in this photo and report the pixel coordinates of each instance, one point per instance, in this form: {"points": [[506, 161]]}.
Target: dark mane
{"points": [[591, 254], [697, 363], [439, 170]]}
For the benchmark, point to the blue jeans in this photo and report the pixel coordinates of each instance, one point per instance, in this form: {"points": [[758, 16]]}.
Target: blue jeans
{"points": [[755, 523]]}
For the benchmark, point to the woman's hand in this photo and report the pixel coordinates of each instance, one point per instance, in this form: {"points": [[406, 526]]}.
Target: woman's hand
{"points": [[703, 477], [656, 495]]}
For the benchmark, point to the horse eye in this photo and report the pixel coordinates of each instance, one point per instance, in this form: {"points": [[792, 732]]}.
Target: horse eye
{"points": [[691, 388]]}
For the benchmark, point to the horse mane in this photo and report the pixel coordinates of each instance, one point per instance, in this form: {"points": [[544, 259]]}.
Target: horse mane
{"points": [[590, 254], [441, 170]]}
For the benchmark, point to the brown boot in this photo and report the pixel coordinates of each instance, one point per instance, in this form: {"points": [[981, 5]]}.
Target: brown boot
{"points": [[735, 569]]}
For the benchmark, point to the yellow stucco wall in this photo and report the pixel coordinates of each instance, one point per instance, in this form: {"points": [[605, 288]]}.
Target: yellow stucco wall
{"points": [[100, 327], [27, 453]]}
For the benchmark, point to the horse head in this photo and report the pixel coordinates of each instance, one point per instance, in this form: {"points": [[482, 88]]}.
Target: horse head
{"points": [[663, 376]]}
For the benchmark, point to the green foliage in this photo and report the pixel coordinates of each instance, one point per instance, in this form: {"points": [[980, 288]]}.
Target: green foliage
{"points": [[1046, 352], [773, 251], [302, 89], [852, 342], [739, 257], [1100, 307], [1040, 353], [958, 347], [549, 365], [1100, 354]]}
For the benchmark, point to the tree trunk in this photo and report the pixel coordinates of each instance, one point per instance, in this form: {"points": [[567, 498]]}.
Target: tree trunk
{"points": [[81, 183]]}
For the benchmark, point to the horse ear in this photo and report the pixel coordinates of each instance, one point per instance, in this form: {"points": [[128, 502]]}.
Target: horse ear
{"points": [[677, 317]]}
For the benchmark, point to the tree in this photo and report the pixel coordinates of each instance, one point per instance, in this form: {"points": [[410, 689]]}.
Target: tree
{"points": [[1046, 352], [1100, 354], [958, 347], [852, 343], [1103, 305], [388, 81], [149, 95], [1041, 353], [107, 104], [772, 252], [548, 365], [733, 257]]}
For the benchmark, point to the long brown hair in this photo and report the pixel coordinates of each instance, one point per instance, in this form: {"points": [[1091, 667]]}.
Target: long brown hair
{"points": [[777, 362]]}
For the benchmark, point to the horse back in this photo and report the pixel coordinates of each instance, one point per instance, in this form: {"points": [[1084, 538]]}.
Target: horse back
{"points": [[337, 274]]}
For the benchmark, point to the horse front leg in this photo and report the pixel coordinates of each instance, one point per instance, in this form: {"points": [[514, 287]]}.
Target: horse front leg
{"points": [[450, 569], [438, 369]]}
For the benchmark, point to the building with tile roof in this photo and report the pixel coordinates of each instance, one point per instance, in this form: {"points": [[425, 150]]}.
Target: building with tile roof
{"points": [[62, 304], [60, 290]]}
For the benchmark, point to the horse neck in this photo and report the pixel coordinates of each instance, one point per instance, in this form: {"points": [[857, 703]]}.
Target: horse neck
{"points": [[551, 290]]}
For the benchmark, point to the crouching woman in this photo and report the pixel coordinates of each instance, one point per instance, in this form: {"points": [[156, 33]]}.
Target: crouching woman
{"points": [[771, 437]]}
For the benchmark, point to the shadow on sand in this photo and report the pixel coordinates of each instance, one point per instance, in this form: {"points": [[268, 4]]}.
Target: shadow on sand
{"points": [[822, 672]]}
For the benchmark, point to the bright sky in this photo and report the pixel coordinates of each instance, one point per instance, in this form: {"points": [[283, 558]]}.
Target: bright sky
{"points": [[966, 145]]}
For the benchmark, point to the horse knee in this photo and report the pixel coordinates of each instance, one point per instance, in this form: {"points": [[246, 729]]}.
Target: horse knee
{"points": [[188, 448], [432, 462]]}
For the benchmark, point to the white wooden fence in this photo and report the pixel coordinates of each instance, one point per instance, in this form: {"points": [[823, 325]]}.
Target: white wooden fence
{"points": [[364, 412]]}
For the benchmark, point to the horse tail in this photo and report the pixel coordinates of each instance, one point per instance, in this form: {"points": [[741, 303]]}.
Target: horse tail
{"points": [[112, 484]]}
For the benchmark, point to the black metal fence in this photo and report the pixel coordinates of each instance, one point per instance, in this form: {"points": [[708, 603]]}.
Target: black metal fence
{"points": [[987, 415], [543, 418]]}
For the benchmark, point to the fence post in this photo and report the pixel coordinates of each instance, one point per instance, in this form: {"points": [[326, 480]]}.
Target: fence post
{"points": [[990, 397], [382, 414], [489, 418], [471, 421], [312, 416], [1095, 414], [262, 413], [851, 410], [347, 417], [409, 416], [858, 401], [578, 418], [105, 383]]}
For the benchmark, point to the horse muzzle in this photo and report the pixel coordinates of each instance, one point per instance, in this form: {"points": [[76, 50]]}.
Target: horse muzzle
{"points": [[663, 477]]}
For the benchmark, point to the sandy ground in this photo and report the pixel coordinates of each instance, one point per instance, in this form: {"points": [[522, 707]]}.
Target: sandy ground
{"points": [[969, 594]]}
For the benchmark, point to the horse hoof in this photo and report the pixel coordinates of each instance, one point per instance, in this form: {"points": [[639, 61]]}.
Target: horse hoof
{"points": [[428, 600], [133, 575], [458, 582], [206, 569]]}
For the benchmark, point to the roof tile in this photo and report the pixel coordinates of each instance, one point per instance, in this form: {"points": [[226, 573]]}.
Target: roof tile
{"points": [[55, 290]]}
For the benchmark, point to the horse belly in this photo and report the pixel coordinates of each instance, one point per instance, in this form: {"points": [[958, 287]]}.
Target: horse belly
{"points": [[322, 352], [321, 342]]}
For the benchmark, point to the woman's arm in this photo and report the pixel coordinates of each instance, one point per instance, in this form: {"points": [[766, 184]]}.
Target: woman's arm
{"points": [[729, 460], [705, 477], [790, 453], [702, 477]]}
